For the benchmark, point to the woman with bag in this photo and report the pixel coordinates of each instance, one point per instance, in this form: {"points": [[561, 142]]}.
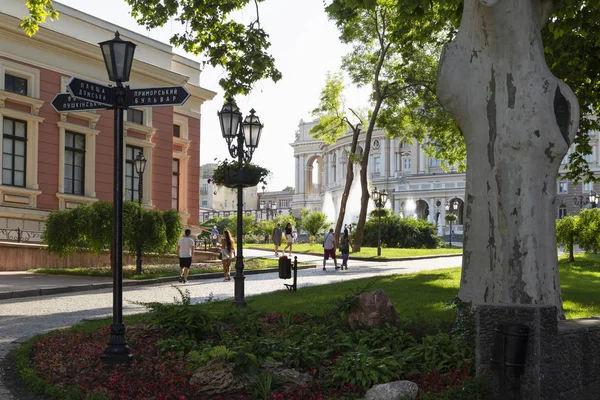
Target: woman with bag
{"points": [[345, 248], [227, 253]]}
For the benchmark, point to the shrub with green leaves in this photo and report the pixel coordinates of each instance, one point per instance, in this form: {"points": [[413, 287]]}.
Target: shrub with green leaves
{"points": [[401, 233], [90, 228]]}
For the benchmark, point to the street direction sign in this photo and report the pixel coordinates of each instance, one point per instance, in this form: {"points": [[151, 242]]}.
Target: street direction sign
{"points": [[91, 91], [160, 96], [64, 102]]}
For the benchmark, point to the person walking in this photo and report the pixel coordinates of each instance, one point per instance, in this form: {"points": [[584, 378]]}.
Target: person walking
{"points": [[345, 248], [289, 238], [214, 235], [276, 238], [329, 248], [227, 253], [185, 249]]}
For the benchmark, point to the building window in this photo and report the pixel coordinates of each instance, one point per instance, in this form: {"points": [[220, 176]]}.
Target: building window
{"points": [[205, 174], [587, 187], [15, 84], [376, 165], [204, 188], [563, 187], [14, 148], [562, 211], [233, 204], [131, 176], [74, 163], [175, 185], [204, 202], [590, 157], [135, 116], [176, 131], [225, 206], [434, 162], [284, 203], [406, 164], [333, 165]]}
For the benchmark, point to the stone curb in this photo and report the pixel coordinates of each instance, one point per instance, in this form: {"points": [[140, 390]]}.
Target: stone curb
{"points": [[96, 286]]}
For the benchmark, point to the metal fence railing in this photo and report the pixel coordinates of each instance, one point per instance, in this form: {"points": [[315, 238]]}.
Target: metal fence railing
{"points": [[19, 235]]}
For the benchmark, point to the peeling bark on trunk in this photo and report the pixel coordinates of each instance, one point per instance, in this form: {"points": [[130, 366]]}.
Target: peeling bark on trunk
{"points": [[348, 185], [518, 121]]}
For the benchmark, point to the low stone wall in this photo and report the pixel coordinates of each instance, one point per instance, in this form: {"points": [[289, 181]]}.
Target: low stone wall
{"points": [[562, 360], [26, 256]]}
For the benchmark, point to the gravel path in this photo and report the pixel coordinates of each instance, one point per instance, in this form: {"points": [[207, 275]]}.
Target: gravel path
{"points": [[23, 318]]}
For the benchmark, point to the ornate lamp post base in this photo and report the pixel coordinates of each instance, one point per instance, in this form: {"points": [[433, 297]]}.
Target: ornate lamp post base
{"points": [[117, 351]]}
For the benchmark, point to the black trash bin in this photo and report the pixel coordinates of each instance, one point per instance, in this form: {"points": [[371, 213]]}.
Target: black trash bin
{"points": [[510, 348], [285, 268]]}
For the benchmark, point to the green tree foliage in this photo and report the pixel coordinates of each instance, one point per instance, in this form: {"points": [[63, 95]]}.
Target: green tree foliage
{"points": [[90, 228], [400, 232], [589, 230], [313, 222], [208, 31], [173, 228], [567, 233]]}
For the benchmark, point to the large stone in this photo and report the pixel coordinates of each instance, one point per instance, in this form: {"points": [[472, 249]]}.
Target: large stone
{"points": [[373, 310], [217, 377], [398, 390]]}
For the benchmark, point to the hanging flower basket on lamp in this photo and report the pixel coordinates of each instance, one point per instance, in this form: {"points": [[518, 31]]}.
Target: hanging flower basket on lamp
{"points": [[234, 174]]}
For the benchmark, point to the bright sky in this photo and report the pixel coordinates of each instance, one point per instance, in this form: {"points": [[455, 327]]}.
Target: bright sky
{"points": [[305, 46]]}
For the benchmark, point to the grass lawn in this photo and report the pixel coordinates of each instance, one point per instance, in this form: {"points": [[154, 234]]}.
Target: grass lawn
{"points": [[365, 252], [160, 271]]}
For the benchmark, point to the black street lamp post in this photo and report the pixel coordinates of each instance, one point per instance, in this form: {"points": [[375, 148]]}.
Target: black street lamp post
{"points": [[451, 206], [380, 198], [247, 132], [118, 57], [140, 167]]}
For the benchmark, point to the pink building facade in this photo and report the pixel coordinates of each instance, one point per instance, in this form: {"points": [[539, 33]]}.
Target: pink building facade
{"points": [[54, 160]]}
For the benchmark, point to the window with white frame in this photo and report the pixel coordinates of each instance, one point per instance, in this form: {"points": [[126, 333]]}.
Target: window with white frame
{"points": [[131, 177], [376, 165], [14, 152], [333, 166], [15, 84], [406, 164], [204, 188], [204, 202], [587, 187], [74, 163], [562, 211], [434, 162], [590, 157], [284, 203], [225, 206], [563, 187], [136, 116]]}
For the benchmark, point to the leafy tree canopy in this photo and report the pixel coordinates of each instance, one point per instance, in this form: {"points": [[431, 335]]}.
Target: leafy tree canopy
{"points": [[208, 30], [571, 40]]}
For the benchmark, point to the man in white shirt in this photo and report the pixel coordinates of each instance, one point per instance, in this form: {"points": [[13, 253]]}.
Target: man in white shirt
{"points": [[329, 248], [185, 248]]}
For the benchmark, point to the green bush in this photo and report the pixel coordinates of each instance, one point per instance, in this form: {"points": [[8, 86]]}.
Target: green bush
{"points": [[401, 233], [90, 228]]}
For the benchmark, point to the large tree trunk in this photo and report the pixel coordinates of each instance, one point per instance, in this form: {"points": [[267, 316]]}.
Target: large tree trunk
{"points": [[348, 185], [518, 121]]}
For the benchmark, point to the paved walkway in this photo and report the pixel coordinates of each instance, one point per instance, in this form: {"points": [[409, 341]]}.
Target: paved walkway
{"points": [[24, 317]]}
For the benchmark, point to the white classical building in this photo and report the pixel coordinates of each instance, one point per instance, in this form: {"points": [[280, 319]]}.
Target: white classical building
{"points": [[416, 184]]}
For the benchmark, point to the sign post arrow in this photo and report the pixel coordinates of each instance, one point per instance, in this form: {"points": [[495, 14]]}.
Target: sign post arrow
{"points": [[160, 96], [64, 102], [91, 91]]}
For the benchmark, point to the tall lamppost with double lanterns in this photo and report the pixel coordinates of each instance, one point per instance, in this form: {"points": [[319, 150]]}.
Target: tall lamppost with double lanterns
{"points": [[379, 198], [237, 133], [118, 58]]}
